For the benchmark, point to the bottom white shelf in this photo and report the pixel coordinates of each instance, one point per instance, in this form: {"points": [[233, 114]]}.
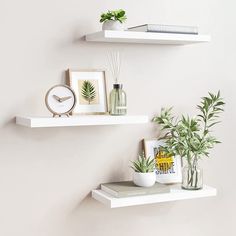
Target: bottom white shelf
{"points": [[176, 193]]}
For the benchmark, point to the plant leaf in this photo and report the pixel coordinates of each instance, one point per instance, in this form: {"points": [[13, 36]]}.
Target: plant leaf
{"points": [[88, 91]]}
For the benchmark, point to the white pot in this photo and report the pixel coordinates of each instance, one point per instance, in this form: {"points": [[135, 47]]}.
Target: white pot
{"points": [[112, 25], [144, 179]]}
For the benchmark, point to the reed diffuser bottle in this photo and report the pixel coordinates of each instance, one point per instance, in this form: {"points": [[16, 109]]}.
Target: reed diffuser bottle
{"points": [[117, 98]]}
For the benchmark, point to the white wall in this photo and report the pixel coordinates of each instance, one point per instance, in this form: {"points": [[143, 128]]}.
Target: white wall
{"points": [[46, 175]]}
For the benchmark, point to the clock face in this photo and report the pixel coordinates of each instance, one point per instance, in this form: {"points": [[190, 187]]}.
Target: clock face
{"points": [[60, 100]]}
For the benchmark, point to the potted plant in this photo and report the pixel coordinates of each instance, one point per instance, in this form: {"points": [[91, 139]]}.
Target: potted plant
{"points": [[144, 171], [191, 138], [113, 20]]}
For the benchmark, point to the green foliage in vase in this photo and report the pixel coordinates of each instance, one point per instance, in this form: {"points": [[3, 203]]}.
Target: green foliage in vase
{"points": [[191, 137], [143, 164], [88, 91], [114, 15]]}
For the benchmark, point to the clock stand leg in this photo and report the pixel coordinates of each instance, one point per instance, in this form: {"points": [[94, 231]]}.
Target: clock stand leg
{"points": [[54, 115]]}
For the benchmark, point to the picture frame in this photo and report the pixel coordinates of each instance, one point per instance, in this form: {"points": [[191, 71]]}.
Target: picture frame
{"points": [[168, 169], [90, 90]]}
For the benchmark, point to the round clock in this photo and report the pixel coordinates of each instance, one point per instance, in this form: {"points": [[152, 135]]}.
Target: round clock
{"points": [[60, 100]]}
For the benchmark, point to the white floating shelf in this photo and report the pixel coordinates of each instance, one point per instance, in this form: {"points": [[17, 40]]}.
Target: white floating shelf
{"points": [[175, 194], [146, 37], [82, 120]]}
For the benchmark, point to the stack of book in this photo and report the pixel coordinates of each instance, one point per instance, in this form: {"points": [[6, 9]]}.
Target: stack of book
{"points": [[128, 189], [171, 29]]}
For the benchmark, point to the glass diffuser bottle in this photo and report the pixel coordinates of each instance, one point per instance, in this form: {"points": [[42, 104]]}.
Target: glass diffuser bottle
{"points": [[117, 98], [117, 101]]}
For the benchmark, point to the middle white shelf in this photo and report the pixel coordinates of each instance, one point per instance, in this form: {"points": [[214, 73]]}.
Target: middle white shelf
{"points": [[80, 120]]}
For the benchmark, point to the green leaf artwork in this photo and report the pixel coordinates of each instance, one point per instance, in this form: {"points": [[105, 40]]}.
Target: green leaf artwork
{"points": [[88, 91]]}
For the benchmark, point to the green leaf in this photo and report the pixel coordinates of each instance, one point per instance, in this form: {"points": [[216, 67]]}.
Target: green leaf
{"points": [[219, 103], [88, 91], [213, 124], [113, 15], [189, 137], [144, 164]]}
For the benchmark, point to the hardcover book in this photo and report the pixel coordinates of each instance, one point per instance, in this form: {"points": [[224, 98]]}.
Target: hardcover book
{"points": [[177, 29], [128, 189]]}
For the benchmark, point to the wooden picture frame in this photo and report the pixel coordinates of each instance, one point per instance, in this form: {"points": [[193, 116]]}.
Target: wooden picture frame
{"points": [[90, 89], [170, 168]]}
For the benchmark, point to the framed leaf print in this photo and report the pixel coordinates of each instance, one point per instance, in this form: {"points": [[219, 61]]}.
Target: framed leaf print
{"points": [[168, 168], [90, 91]]}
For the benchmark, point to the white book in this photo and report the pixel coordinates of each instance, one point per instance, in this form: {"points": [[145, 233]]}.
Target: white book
{"points": [[177, 29]]}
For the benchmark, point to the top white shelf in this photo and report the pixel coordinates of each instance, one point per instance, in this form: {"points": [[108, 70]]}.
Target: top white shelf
{"points": [[146, 37]]}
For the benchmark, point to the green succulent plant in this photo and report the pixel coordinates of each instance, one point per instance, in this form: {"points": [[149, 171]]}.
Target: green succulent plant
{"points": [[88, 91], [114, 15], [143, 164], [191, 137]]}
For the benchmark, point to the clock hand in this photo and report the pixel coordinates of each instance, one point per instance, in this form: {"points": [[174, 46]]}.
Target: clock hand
{"points": [[57, 98], [64, 98]]}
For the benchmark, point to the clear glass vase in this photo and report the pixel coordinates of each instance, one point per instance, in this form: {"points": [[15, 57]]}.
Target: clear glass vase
{"points": [[192, 176], [117, 101]]}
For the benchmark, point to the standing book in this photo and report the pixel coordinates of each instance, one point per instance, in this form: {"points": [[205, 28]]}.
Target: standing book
{"points": [[129, 189]]}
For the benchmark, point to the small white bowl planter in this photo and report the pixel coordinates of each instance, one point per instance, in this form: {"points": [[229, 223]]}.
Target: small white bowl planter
{"points": [[112, 25], [144, 179]]}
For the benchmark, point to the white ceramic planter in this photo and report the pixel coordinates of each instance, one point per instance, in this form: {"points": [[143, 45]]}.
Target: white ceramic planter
{"points": [[112, 25], [144, 179]]}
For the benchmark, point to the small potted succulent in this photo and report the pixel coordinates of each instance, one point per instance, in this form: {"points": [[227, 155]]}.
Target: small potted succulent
{"points": [[113, 20], [144, 171]]}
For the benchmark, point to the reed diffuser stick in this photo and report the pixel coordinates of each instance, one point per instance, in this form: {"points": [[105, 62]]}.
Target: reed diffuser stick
{"points": [[114, 60]]}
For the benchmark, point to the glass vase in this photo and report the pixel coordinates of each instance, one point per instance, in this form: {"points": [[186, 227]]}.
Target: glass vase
{"points": [[117, 101], [192, 176]]}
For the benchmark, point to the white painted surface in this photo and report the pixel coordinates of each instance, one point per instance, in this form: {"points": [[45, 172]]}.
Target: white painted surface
{"points": [[175, 194], [47, 174], [146, 37], [82, 120]]}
